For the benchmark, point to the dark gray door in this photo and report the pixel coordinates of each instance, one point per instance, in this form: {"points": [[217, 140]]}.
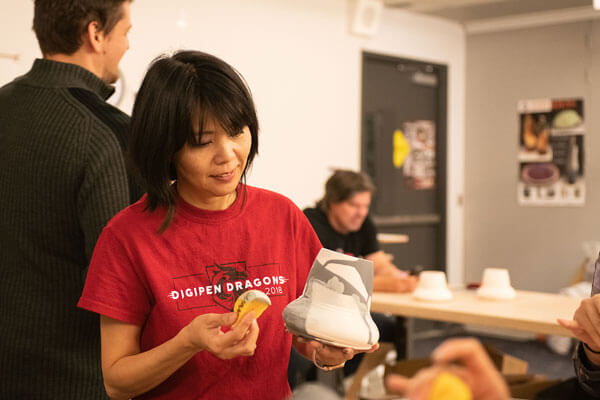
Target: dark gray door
{"points": [[397, 95]]}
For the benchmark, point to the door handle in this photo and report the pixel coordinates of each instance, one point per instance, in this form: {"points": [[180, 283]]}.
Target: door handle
{"points": [[417, 219]]}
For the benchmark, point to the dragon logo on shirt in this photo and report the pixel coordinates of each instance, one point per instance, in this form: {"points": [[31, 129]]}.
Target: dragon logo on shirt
{"points": [[219, 285], [223, 274]]}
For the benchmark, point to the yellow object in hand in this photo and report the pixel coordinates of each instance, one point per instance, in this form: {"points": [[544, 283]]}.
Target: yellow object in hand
{"points": [[252, 300], [447, 386]]}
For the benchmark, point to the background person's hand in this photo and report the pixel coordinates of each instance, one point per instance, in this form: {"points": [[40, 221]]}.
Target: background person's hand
{"points": [[474, 367], [406, 283], [205, 333], [586, 322], [419, 386], [397, 282]]}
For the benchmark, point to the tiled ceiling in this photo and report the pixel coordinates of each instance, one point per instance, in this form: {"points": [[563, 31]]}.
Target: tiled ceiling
{"points": [[472, 10]]}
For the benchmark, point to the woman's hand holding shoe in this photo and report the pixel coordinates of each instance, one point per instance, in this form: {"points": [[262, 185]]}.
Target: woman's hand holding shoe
{"points": [[325, 356]]}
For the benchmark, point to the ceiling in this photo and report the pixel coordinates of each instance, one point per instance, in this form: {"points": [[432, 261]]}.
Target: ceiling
{"points": [[466, 11]]}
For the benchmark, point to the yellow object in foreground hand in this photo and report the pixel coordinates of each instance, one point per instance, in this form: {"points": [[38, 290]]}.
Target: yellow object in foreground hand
{"points": [[447, 386], [252, 300]]}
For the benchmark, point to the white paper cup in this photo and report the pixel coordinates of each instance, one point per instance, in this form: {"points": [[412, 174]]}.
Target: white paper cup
{"points": [[432, 287], [495, 285]]}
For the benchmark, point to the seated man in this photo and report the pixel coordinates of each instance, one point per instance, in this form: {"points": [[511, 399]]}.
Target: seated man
{"points": [[342, 224]]}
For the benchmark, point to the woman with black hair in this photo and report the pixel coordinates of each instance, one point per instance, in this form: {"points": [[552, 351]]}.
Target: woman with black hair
{"points": [[167, 270]]}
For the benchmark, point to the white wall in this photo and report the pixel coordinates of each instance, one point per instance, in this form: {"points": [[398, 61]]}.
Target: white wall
{"points": [[541, 246], [304, 68]]}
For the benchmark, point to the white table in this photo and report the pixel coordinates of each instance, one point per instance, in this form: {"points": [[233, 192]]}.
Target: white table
{"points": [[528, 311]]}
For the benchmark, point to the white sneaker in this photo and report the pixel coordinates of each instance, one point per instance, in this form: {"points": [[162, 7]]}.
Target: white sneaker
{"points": [[335, 305]]}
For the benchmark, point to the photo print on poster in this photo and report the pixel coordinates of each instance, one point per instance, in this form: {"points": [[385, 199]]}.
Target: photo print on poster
{"points": [[419, 165], [551, 156]]}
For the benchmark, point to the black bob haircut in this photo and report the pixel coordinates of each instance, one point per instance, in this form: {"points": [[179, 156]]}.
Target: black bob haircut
{"points": [[178, 92]]}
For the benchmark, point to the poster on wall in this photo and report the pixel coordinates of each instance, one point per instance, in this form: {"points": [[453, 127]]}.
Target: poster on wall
{"points": [[419, 165], [551, 157]]}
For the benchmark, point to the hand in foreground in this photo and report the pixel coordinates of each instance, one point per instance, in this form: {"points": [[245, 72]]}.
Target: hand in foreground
{"points": [[205, 333], [586, 322], [474, 367], [329, 355]]}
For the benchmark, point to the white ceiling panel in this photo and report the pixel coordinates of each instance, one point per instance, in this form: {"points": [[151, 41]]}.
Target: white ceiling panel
{"points": [[472, 10]]}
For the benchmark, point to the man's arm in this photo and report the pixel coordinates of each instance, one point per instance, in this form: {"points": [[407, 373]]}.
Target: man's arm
{"points": [[382, 263], [387, 277], [104, 190]]}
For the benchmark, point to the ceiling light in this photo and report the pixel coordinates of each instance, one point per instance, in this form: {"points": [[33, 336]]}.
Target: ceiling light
{"points": [[182, 20]]}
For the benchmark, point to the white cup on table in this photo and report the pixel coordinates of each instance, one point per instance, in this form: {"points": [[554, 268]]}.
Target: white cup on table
{"points": [[495, 285], [432, 286]]}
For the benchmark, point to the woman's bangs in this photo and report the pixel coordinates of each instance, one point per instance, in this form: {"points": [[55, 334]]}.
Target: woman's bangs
{"points": [[231, 118]]}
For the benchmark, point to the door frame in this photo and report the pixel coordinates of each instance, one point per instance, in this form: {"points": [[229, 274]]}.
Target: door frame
{"points": [[441, 140]]}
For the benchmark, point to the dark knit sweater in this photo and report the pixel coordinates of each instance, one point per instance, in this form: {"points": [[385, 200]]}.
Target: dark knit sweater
{"points": [[62, 177]]}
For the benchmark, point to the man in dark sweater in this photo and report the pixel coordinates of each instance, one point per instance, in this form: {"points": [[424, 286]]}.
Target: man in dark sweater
{"points": [[63, 176]]}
